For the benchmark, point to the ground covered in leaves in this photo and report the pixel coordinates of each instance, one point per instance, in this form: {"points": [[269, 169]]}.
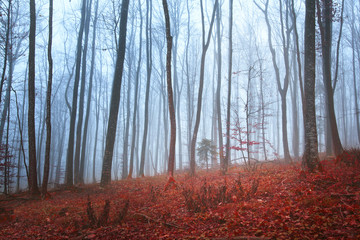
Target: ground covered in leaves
{"points": [[274, 202]]}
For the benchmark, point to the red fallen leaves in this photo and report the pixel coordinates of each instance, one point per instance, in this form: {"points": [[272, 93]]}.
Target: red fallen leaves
{"points": [[274, 202]]}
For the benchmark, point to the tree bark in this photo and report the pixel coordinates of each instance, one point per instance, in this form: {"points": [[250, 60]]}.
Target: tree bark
{"points": [[33, 186], [325, 23], [115, 97], [48, 105], [310, 157], [171, 163]]}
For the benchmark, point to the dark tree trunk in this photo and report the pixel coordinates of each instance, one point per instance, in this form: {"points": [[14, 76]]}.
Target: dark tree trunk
{"points": [[115, 97], [310, 157], [88, 104], [70, 151], [6, 48], [48, 106], [82, 96], [325, 23], [171, 163], [33, 186]]}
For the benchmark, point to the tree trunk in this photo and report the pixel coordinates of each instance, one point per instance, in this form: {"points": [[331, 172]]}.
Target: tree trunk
{"points": [[310, 157], [136, 89], [33, 187], [171, 163], [285, 37], [6, 48], [201, 84], [148, 70], [228, 110], [82, 96], [48, 106], [70, 151], [325, 23], [115, 97], [218, 90], [88, 105]]}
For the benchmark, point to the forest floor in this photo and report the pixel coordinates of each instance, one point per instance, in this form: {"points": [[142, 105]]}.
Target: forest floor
{"points": [[276, 201]]}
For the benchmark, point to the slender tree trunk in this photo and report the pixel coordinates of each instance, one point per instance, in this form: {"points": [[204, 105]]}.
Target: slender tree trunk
{"points": [[125, 165], [82, 96], [6, 48], [171, 163], [88, 104], [310, 157], [218, 90], [281, 89], [48, 106], [205, 46], [325, 24], [70, 151], [33, 186], [115, 97], [148, 70], [228, 110]]}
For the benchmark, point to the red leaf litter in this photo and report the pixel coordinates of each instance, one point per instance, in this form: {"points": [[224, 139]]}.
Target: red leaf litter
{"points": [[275, 201]]}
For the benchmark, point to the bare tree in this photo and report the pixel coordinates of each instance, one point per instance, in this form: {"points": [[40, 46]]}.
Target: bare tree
{"points": [[88, 106], [228, 110], [148, 72], [171, 163], [205, 46], [48, 105], [136, 89], [285, 37], [115, 97], [70, 151], [325, 18], [33, 186]]}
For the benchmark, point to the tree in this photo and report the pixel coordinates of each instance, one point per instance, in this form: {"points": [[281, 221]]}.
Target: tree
{"points": [[88, 106], [205, 46], [148, 79], [218, 88], [171, 163], [136, 89], [310, 157], [82, 96], [48, 106], [325, 18], [228, 109], [33, 186], [70, 151], [6, 48], [206, 150], [115, 97], [286, 30]]}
